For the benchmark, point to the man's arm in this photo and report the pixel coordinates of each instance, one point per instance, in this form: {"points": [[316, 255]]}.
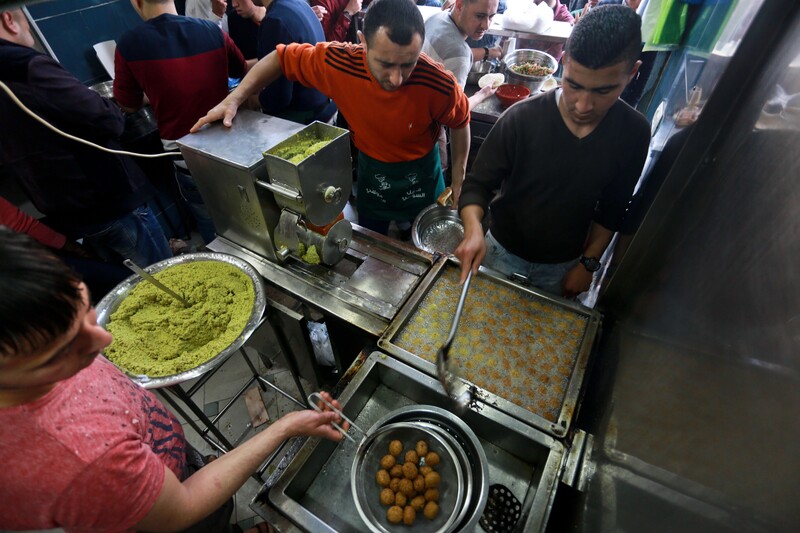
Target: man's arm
{"points": [[472, 249], [127, 91], [459, 145], [579, 279], [179, 505], [266, 71]]}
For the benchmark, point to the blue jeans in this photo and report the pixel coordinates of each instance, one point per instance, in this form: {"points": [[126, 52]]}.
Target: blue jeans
{"points": [[197, 207], [136, 236], [544, 276]]}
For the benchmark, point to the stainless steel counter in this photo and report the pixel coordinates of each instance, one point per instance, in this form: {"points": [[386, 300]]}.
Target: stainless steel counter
{"points": [[366, 289], [310, 489]]}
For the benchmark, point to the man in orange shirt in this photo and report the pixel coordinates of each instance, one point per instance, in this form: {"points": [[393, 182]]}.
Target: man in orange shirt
{"points": [[395, 100]]}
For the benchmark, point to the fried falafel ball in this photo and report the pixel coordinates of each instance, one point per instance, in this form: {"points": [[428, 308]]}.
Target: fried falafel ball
{"points": [[394, 514], [387, 497], [412, 457], [410, 471], [422, 448], [388, 461], [419, 483], [431, 459], [400, 499], [432, 480], [432, 495], [431, 510], [409, 515], [407, 488], [396, 471], [395, 448], [418, 503], [383, 478]]}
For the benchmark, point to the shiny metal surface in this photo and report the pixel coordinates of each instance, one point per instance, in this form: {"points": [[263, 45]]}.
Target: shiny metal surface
{"points": [[366, 463], [534, 83], [226, 163], [696, 407], [478, 70], [311, 488], [366, 288], [327, 168], [437, 229], [106, 307]]}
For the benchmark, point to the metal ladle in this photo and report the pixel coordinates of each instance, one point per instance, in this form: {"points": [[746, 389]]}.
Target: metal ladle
{"points": [[447, 377], [136, 268]]}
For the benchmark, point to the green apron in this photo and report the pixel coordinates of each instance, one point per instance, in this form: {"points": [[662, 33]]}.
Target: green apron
{"points": [[398, 191]]}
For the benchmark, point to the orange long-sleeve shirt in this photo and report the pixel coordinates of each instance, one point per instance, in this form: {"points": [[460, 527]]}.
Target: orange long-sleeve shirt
{"points": [[401, 125]]}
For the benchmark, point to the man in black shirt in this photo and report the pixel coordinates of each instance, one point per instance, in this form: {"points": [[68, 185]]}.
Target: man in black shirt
{"points": [[565, 163]]}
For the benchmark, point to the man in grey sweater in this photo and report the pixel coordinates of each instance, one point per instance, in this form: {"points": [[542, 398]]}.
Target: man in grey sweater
{"points": [[565, 164]]}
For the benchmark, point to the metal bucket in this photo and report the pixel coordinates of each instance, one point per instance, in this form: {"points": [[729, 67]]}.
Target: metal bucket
{"points": [[534, 83]]}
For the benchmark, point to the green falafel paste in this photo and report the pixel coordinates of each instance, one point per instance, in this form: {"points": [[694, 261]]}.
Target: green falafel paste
{"points": [[300, 149], [157, 336]]}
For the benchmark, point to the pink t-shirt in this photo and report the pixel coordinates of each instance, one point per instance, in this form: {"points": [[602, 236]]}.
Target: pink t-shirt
{"points": [[87, 456]]}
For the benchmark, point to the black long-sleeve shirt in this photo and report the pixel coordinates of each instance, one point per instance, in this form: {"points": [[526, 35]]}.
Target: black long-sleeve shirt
{"points": [[553, 184], [73, 184]]}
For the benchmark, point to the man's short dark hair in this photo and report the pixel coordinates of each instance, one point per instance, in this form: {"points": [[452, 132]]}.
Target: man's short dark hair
{"points": [[39, 295], [401, 18], [605, 36]]}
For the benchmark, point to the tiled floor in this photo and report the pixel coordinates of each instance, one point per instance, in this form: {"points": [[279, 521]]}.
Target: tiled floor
{"points": [[235, 423]]}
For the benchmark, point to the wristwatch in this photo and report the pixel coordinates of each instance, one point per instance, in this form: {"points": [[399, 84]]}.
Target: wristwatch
{"points": [[347, 15], [592, 264], [485, 53]]}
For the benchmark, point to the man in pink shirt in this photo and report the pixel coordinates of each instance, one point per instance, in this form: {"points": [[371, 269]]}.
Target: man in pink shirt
{"points": [[85, 448]]}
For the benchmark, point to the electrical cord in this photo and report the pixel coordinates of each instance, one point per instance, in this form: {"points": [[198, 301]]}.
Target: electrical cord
{"points": [[72, 137]]}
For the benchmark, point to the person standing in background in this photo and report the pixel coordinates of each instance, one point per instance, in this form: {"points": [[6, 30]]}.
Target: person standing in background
{"points": [[394, 97], [182, 65], [337, 18], [286, 22], [565, 163], [85, 192]]}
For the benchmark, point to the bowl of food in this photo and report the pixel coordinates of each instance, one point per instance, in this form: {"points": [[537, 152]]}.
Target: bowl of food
{"points": [[158, 341], [510, 93], [412, 474], [529, 68]]}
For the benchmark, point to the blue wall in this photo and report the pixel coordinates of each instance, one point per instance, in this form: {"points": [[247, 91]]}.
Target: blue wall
{"points": [[72, 27]]}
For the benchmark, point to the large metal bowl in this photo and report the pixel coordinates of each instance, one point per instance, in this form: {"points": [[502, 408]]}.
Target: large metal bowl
{"points": [[467, 440], [366, 491], [534, 83], [479, 69], [437, 229], [113, 299]]}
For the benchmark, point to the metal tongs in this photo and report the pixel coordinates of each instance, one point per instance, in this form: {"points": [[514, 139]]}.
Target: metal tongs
{"points": [[312, 401], [446, 376]]}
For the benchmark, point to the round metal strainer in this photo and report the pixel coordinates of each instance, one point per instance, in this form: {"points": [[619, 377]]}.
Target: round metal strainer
{"points": [[366, 491]]}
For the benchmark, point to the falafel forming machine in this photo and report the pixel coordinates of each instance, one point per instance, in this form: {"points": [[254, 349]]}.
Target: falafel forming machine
{"points": [[283, 207]]}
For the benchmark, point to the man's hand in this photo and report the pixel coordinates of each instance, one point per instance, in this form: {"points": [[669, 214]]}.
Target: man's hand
{"points": [[447, 4], [353, 6], [472, 249], [319, 11], [314, 424], [576, 281], [218, 7], [481, 96], [224, 111], [495, 52]]}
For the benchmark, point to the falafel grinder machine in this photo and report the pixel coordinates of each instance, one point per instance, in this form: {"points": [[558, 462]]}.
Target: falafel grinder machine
{"points": [[269, 205]]}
